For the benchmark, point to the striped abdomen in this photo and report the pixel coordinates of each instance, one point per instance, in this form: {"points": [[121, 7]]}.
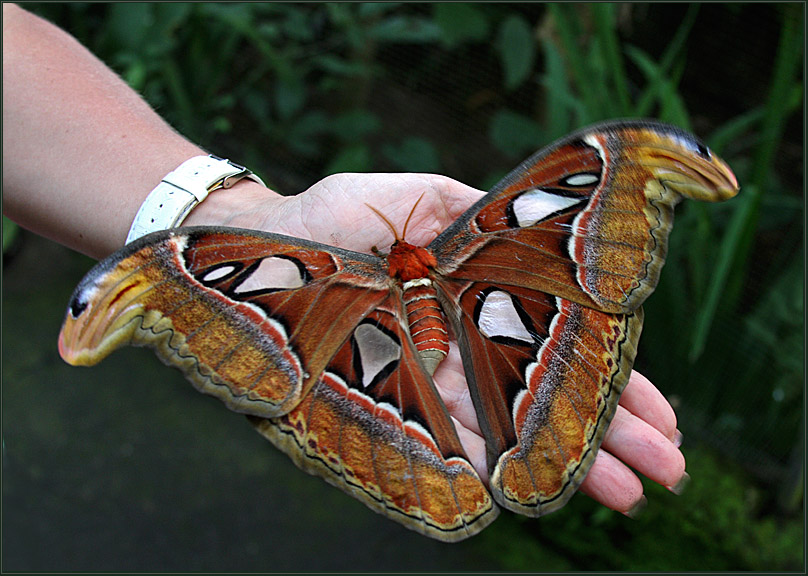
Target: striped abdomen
{"points": [[427, 323]]}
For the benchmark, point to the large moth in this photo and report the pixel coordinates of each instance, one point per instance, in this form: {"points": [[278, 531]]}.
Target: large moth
{"points": [[330, 352]]}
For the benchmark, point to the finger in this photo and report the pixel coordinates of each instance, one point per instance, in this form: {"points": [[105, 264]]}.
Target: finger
{"points": [[455, 196], [474, 445], [644, 448], [642, 399], [450, 380], [614, 485]]}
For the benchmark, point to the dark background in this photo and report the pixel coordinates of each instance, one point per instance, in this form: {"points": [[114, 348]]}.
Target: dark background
{"points": [[124, 467]]}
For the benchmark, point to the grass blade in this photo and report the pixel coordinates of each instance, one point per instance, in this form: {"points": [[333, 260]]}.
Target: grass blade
{"points": [[577, 61], [606, 29]]}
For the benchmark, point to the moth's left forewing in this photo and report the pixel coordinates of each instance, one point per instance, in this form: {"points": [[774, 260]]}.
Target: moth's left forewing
{"points": [[588, 217], [543, 280]]}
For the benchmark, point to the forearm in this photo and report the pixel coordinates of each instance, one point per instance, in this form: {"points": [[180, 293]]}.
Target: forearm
{"points": [[81, 150]]}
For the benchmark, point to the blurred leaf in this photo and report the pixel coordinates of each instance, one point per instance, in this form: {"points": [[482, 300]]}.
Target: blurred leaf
{"points": [[674, 49], [354, 125], [671, 106], [603, 98], [183, 102], [344, 18], [290, 95], [565, 22], [744, 205], [734, 129], [238, 20], [297, 26], [304, 134], [221, 125], [258, 107], [170, 15], [237, 16], [460, 22], [373, 9], [354, 158], [737, 243], [269, 31], [405, 29], [338, 66], [778, 319], [135, 74], [561, 102], [517, 50], [515, 134], [128, 25], [605, 20], [678, 43], [413, 155]]}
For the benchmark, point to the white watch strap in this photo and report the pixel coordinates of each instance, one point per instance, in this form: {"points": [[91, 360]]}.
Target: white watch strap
{"points": [[189, 184]]}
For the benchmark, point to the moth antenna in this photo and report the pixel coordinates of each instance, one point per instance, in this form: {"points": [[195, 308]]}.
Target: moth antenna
{"points": [[386, 221], [407, 223], [390, 224]]}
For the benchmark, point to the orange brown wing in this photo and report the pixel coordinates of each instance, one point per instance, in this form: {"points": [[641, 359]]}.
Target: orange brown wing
{"points": [[311, 342], [543, 281]]}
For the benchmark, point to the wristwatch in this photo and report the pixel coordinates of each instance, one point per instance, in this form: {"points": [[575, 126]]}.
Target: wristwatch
{"points": [[182, 189]]}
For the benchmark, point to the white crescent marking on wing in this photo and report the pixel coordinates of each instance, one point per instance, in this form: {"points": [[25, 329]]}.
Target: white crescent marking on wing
{"points": [[376, 350], [220, 272], [272, 273], [498, 317], [535, 205], [582, 179]]}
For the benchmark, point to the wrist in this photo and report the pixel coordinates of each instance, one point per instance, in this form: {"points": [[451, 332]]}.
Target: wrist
{"points": [[246, 204]]}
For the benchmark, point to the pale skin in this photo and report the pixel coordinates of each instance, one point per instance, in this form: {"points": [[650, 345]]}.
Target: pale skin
{"points": [[81, 151]]}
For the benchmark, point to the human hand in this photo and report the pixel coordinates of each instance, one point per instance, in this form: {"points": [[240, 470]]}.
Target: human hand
{"points": [[643, 434], [335, 210]]}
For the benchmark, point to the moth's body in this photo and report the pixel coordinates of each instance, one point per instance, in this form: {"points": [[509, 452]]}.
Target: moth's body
{"points": [[330, 352], [411, 266]]}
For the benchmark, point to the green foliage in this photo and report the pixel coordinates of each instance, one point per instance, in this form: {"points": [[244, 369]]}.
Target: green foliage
{"points": [[460, 23], [738, 241], [517, 50], [300, 90], [413, 154]]}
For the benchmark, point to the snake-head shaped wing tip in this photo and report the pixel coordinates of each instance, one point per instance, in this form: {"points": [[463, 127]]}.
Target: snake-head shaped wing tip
{"points": [[98, 319], [682, 163]]}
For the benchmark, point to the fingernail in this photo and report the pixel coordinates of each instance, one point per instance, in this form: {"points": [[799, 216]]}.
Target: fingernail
{"points": [[637, 509], [678, 438], [679, 487]]}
